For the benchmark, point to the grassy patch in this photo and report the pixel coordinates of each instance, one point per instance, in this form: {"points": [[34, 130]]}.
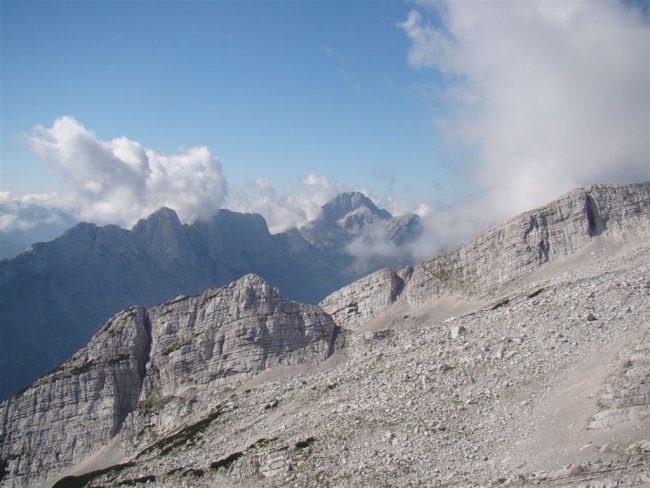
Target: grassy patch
{"points": [[83, 479], [174, 346], [305, 443], [119, 358], [500, 304], [135, 481], [535, 293], [227, 461], [154, 403], [182, 437], [84, 368]]}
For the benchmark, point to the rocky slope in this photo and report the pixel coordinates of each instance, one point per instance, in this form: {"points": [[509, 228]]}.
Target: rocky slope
{"points": [[22, 224], [353, 215], [502, 254], [147, 361], [524, 367], [56, 295]]}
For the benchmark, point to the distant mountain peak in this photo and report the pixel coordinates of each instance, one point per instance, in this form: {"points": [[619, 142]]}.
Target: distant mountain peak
{"points": [[345, 203], [163, 214], [351, 215]]}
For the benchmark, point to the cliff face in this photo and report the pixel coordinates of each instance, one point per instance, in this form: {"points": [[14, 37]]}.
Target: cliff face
{"points": [[527, 241], [143, 358], [54, 297], [69, 413], [165, 381], [504, 253]]}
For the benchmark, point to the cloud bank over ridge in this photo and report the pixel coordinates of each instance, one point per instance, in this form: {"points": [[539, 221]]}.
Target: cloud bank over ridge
{"points": [[547, 96], [120, 181], [551, 95]]}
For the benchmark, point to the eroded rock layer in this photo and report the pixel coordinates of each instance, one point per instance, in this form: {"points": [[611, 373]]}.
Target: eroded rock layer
{"points": [[543, 381], [144, 358], [504, 253]]}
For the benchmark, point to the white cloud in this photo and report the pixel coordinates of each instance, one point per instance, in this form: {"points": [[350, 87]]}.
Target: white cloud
{"points": [[374, 248], [120, 181], [553, 96], [284, 211]]}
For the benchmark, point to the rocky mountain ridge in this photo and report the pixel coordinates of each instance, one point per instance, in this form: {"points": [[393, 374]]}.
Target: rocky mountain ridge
{"points": [[489, 365], [145, 358], [56, 295], [502, 254]]}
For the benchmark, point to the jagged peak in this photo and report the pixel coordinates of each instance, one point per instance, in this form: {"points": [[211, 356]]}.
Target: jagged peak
{"points": [[250, 280], [163, 214], [345, 203]]}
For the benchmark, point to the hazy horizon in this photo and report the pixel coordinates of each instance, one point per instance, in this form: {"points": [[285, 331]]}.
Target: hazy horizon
{"points": [[462, 112]]}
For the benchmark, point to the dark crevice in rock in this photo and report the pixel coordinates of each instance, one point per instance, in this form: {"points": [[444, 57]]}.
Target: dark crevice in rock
{"points": [[532, 225], [595, 224], [542, 251], [3, 469], [399, 286], [146, 322], [336, 331], [128, 395]]}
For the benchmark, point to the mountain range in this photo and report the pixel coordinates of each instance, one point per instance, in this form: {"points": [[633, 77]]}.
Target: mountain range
{"points": [[54, 296], [22, 224], [519, 359]]}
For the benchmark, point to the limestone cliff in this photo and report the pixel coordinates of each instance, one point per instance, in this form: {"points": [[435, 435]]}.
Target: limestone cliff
{"points": [[503, 253], [165, 381], [54, 297], [145, 357]]}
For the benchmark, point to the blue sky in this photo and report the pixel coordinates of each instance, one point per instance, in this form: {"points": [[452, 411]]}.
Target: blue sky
{"points": [[275, 90], [464, 111]]}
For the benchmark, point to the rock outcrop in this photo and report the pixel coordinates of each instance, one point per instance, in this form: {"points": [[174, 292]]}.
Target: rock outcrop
{"points": [[501, 395], [353, 215], [506, 252], [144, 358], [364, 299], [540, 381], [56, 295]]}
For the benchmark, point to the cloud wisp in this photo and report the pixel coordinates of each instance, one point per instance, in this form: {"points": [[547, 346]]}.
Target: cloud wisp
{"points": [[284, 211], [552, 96], [120, 181]]}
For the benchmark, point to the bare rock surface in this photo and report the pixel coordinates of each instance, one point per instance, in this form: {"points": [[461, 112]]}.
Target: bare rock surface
{"points": [[512, 368], [56, 295], [143, 360], [508, 402], [364, 299]]}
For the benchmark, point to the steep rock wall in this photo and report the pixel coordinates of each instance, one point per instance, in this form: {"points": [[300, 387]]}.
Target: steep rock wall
{"points": [[144, 355], [503, 253]]}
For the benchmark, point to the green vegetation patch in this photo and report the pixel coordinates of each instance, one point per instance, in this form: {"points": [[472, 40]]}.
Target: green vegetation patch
{"points": [[182, 437], [304, 444], [135, 481], [500, 304], [83, 479], [119, 358], [154, 403], [227, 461], [84, 368], [175, 346]]}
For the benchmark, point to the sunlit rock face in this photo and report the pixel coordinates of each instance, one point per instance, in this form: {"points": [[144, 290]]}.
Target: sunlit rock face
{"points": [[376, 386], [143, 356], [54, 297]]}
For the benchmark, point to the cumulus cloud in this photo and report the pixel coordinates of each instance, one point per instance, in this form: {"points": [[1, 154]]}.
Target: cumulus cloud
{"points": [[120, 181], [552, 96], [284, 211]]}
